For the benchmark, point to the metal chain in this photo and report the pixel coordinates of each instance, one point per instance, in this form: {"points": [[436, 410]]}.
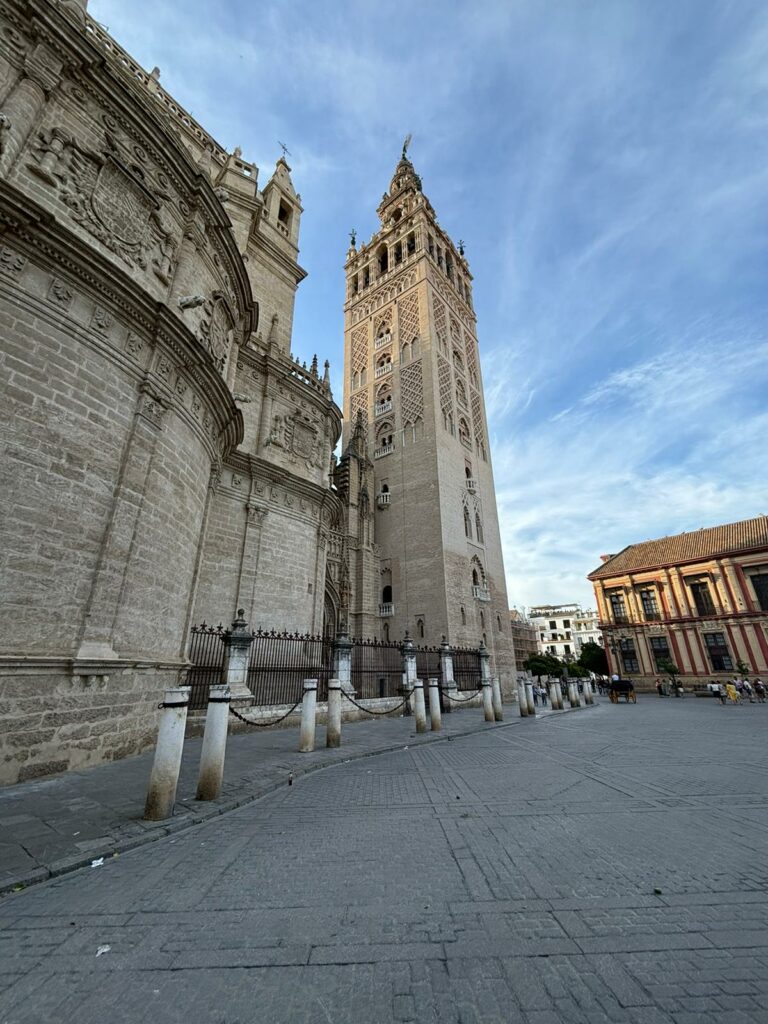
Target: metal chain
{"points": [[388, 711], [265, 725], [459, 700]]}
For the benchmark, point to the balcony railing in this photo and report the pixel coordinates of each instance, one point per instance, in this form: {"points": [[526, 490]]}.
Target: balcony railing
{"points": [[385, 449], [381, 407], [382, 370], [383, 499], [471, 486], [384, 340], [481, 593], [386, 609]]}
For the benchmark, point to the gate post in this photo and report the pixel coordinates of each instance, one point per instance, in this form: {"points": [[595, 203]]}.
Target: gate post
{"points": [[498, 712], [170, 744], [434, 705], [446, 670], [308, 717], [333, 729], [419, 711], [237, 647], [409, 671], [342, 660], [214, 743]]}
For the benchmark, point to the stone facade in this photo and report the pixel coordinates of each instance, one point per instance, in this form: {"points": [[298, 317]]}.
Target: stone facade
{"points": [[524, 639], [166, 459], [413, 383], [699, 600]]}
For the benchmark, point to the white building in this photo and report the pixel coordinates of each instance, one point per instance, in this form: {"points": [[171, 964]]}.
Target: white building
{"points": [[563, 629]]}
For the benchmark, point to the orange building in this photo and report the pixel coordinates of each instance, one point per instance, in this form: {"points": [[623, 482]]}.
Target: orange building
{"points": [[698, 599]]}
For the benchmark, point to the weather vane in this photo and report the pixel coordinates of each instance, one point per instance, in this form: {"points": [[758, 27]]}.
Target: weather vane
{"points": [[462, 243], [286, 151], [406, 144], [353, 237]]}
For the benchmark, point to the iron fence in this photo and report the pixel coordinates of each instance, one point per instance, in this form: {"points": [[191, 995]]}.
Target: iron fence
{"points": [[466, 668], [206, 652], [377, 668], [280, 662]]}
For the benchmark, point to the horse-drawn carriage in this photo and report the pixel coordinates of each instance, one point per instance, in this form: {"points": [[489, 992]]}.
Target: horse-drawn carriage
{"points": [[622, 687]]}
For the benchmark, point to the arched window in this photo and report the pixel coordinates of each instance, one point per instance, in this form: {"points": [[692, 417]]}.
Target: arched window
{"points": [[382, 257], [451, 427], [385, 488], [464, 431], [498, 622], [405, 353], [415, 348], [485, 640], [411, 243], [475, 578], [458, 362], [478, 528], [461, 392], [386, 594], [468, 471], [366, 276], [420, 629], [385, 633], [463, 616], [482, 620], [398, 253], [467, 523]]}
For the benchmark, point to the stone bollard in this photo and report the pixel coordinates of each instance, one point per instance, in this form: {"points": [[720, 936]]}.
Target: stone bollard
{"points": [[214, 743], [559, 693], [588, 692], [435, 714], [308, 717], [498, 711], [573, 695], [446, 669], [552, 696], [522, 699], [333, 729], [170, 744], [529, 698], [237, 647], [488, 701], [419, 710]]}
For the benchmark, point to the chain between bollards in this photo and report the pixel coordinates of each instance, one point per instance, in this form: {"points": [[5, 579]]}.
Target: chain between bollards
{"points": [[265, 725]]}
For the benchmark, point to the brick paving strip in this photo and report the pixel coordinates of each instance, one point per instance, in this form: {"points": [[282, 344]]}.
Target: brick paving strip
{"points": [[51, 826]]}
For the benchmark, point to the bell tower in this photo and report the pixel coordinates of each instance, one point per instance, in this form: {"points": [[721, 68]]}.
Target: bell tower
{"points": [[412, 375]]}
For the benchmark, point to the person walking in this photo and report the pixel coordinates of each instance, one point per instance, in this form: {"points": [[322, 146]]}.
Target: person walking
{"points": [[658, 688], [760, 691]]}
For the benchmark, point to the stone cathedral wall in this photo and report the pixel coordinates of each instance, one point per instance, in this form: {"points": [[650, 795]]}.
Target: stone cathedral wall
{"points": [[123, 303]]}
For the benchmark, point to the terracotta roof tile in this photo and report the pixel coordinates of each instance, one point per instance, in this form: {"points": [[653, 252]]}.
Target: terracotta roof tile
{"points": [[705, 543]]}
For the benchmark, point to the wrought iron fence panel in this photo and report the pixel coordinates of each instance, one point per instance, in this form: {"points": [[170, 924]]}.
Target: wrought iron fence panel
{"points": [[428, 665], [377, 668], [466, 668], [206, 652], [280, 662]]}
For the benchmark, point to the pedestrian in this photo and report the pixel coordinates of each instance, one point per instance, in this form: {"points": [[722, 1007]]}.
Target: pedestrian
{"points": [[658, 688], [760, 691], [746, 687], [733, 693], [721, 693]]}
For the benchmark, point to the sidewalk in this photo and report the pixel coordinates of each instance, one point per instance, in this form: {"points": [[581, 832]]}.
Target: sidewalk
{"points": [[51, 826]]}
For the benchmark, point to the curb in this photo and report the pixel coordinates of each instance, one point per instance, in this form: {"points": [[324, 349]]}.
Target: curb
{"points": [[190, 819]]}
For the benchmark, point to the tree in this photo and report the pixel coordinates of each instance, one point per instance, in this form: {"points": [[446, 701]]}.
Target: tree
{"points": [[668, 668], [543, 665], [742, 669], [577, 670], [593, 659]]}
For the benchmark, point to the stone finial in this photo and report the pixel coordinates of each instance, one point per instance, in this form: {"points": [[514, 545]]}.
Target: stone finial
{"points": [[240, 626], [313, 367], [326, 372], [155, 74]]}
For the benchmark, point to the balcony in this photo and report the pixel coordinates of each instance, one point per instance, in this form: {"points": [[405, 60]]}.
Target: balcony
{"points": [[382, 371], [382, 407], [385, 449], [481, 593], [471, 485], [382, 500], [385, 339], [385, 610]]}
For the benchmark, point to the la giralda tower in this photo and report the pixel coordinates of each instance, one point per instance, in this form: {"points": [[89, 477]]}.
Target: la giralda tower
{"points": [[412, 372]]}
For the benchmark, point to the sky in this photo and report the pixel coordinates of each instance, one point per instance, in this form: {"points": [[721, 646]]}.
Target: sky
{"points": [[607, 165]]}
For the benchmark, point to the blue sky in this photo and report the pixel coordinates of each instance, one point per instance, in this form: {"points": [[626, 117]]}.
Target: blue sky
{"points": [[606, 163]]}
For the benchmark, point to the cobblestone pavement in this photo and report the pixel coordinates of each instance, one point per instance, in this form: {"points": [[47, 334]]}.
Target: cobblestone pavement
{"points": [[607, 866], [54, 825]]}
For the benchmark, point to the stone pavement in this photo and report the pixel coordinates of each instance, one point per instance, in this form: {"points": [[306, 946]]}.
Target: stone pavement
{"points": [[590, 868], [51, 826]]}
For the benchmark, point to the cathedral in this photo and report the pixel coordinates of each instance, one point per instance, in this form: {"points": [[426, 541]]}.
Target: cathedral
{"points": [[166, 459]]}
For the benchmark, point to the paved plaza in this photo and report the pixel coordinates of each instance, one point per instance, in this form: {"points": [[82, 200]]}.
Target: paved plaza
{"points": [[602, 865]]}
